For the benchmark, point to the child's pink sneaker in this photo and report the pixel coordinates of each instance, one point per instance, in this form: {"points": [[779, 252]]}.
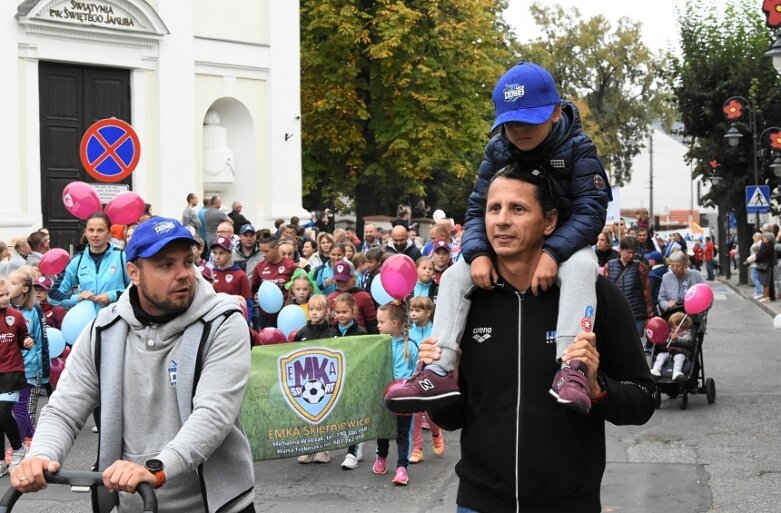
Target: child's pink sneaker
{"points": [[401, 478], [380, 466]]}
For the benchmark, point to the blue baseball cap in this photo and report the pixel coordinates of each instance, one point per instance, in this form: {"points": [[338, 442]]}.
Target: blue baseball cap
{"points": [[654, 255], [525, 94], [153, 235]]}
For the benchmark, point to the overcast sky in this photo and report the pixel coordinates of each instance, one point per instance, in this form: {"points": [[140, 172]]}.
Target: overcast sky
{"points": [[660, 29]]}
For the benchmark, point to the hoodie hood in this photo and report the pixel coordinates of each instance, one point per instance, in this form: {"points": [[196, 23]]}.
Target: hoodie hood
{"points": [[204, 300]]}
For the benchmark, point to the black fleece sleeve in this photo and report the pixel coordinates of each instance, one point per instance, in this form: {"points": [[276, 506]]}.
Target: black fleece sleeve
{"points": [[630, 387]]}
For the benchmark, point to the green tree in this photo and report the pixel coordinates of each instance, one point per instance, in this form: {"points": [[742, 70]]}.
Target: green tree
{"points": [[610, 71], [723, 56], [396, 93]]}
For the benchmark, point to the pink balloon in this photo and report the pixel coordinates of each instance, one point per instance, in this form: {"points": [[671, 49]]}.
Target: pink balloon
{"points": [[54, 261], [657, 330], [270, 336], [55, 370], [80, 199], [292, 336], [698, 298], [125, 208], [399, 276]]}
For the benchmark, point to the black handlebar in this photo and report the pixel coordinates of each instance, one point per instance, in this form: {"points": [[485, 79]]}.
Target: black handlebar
{"points": [[80, 478]]}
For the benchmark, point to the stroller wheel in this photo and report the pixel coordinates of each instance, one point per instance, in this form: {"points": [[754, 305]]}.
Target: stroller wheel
{"points": [[710, 390], [684, 401], [658, 399]]}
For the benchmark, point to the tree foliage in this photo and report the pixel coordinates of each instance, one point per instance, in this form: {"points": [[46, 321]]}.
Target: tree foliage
{"points": [[608, 70], [723, 56], [396, 93]]}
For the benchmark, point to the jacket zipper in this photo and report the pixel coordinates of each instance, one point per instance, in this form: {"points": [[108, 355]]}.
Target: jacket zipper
{"points": [[518, 406]]}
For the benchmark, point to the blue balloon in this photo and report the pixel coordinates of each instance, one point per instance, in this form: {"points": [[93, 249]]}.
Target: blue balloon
{"points": [[77, 318], [291, 318], [56, 342], [270, 297], [378, 291]]}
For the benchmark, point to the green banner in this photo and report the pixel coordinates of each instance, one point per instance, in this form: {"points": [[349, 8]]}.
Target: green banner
{"points": [[320, 395]]}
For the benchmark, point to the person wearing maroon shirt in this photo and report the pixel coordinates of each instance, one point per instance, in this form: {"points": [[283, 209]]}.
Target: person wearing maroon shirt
{"points": [[13, 338], [228, 277], [275, 268], [344, 276], [52, 314], [441, 258]]}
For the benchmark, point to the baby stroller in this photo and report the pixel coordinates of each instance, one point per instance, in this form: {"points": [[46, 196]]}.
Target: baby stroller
{"points": [[694, 380]]}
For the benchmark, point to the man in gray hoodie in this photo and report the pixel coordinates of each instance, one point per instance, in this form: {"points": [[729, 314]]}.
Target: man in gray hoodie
{"points": [[168, 364]]}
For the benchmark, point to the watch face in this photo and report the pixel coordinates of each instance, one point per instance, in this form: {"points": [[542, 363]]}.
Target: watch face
{"points": [[154, 465]]}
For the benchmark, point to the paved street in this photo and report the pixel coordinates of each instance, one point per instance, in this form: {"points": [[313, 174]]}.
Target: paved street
{"points": [[722, 458]]}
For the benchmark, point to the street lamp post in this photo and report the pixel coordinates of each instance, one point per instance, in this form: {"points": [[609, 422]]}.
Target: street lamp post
{"points": [[733, 109]]}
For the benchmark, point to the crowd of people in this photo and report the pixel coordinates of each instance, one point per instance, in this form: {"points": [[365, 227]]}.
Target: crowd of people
{"points": [[512, 318]]}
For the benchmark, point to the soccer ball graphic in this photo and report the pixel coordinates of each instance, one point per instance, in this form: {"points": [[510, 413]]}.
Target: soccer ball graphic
{"points": [[313, 391]]}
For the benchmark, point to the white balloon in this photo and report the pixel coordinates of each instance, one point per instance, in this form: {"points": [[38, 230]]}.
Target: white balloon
{"points": [[438, 215], [777, 322]]}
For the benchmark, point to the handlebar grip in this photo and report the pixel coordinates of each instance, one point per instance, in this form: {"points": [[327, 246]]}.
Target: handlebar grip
{"points": [[80, 478]]}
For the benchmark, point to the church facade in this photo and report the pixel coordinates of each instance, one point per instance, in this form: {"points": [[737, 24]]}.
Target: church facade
{"points": [[210, 87]]}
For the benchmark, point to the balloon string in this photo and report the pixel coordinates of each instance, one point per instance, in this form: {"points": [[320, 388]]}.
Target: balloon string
{"points": [[683, 319]]}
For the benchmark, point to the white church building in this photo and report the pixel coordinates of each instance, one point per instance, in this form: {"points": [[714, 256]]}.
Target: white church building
{"points": [[211, 88]]}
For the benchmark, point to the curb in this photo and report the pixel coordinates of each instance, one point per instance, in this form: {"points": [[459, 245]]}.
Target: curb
{"points": [[764, 306]]}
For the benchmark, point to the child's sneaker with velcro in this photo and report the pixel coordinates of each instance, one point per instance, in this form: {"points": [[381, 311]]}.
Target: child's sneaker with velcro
{"points": [[570, 386]]}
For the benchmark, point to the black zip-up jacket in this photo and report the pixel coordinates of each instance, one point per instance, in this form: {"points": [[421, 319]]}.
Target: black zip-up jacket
{"points": [[521, 451], [316, 331]]}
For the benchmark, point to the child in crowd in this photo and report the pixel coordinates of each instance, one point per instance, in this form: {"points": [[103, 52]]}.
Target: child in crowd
{"points": [[300, 289], [15, 338], [366, 313], [360, 264], [680, 346], [392, 320], [441, 258], [317, 327], [52, 314], [36, 358], [543, 133], [373, 262], [349, 251], [345, 310], [323, 276], [228, 277], [421, 310], [425, 285]]}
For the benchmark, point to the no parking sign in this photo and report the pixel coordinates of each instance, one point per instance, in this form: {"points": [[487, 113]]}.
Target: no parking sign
{"points": [[110, 150]]}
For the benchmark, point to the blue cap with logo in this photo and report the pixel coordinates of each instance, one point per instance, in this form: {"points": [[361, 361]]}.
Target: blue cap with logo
{"points": [[153, 235], [525, 94]]}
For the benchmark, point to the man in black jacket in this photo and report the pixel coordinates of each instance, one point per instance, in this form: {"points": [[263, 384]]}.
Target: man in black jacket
{"points": [[520, 451]]}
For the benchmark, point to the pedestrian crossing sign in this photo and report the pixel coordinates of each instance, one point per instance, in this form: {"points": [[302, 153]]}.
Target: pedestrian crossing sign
{"points": [[757, 199]]}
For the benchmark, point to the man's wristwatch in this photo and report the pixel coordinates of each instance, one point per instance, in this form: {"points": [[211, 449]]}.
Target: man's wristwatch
{"points": [[603, 385], [156, 467]]}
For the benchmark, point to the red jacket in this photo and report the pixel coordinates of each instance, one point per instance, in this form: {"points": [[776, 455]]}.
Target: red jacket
{"points": [[53, 314], [13, 331], [232, 281]]}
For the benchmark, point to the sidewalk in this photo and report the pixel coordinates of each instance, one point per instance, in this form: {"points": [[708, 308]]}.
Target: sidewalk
{"points": [[747, 291]]}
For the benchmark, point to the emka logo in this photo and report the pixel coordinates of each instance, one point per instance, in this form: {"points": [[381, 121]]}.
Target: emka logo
{"points": [[311, 380], [481, 334]]}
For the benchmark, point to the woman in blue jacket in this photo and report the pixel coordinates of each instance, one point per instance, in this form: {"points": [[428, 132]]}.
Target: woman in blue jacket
{"points": [[97, 273]]}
